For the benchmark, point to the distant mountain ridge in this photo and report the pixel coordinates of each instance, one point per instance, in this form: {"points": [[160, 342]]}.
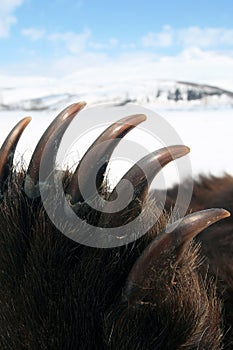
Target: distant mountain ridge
{"points": [[160, 93]]}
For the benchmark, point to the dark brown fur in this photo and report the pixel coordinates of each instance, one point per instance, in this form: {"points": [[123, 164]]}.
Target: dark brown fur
{"points": [[59, 294], [217, 241]]}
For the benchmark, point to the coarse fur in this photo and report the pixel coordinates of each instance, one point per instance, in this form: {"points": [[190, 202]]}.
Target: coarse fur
{"points": [[59, 294], [217, 240]]}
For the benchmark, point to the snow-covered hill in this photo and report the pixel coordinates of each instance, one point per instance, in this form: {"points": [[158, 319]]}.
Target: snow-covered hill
{"points": [[162, 94]]}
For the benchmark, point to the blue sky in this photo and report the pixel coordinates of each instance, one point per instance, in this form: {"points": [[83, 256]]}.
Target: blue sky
{"points": [[57, 37]]}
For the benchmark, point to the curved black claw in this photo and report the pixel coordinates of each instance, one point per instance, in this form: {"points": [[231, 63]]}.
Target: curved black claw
{"points": [[94, 162], [140, 176], [47, 148], [7, 150], [175, 241]]}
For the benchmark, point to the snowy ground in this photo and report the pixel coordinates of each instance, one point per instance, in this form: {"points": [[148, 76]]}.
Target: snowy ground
{"points": [[209, 134]]}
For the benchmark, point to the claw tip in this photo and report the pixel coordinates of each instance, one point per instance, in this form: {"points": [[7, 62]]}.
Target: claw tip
{"points": [[224, 213]]}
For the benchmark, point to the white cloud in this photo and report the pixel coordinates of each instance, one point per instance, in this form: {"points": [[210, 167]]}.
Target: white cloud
{"points": [[7, 19], [197, 57], [110, 44], [88, 69], [160, 39], [75, 43], [33, 33], [191, 36], [191, 64], [205, 37]]}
